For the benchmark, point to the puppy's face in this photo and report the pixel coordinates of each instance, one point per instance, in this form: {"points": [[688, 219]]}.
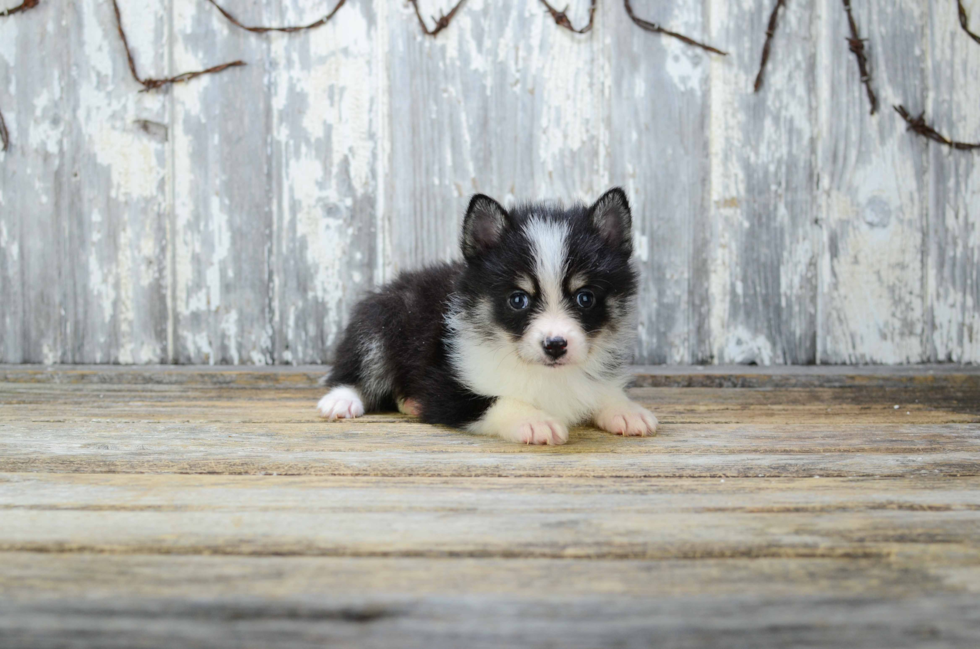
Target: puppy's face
{"points": [[555, 286]]}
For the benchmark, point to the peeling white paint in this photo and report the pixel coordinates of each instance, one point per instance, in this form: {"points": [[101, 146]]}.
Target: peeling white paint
{"points": [[503, 102]]}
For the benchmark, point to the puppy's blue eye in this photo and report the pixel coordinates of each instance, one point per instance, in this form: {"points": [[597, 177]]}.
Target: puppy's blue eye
{"points": [[585, 299], [518, 300]]}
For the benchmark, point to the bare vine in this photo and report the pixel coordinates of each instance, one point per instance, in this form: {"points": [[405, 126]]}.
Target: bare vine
{"points": [[965, 20], [919, 126], [441, 22], [767, 47], [646, 25], [856, 44], [4, 134], [561, 18], [24, 6], [287, 30], [152, 84]]}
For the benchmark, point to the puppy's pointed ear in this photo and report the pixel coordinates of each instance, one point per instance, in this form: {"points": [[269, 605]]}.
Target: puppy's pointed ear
{"points": [[612, 218], [483, 225]]}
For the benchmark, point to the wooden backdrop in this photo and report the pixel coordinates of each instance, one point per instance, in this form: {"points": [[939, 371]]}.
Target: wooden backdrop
{"points": [[237, 217]]}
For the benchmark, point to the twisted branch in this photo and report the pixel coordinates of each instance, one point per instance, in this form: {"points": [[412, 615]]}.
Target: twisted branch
{"points": [[288, 30], [4, 134], [918, 124], [24, 6], [561, 18], [965, 20], [657, 29], [441, 22], [152, 84], [856, 44], [770, 32]]}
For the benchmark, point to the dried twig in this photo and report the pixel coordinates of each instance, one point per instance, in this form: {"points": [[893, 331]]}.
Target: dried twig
{"points": [[4, 134], [24, 6], [152, 84], [856, 44], [441, 22], [965, 20], [561, 18], [770, 31], [657, 29], [918, 124], [262, 30]]}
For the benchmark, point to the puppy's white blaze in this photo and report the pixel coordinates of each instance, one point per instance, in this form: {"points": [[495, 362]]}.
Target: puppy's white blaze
{"points": [[550, 250], [549, 245]]}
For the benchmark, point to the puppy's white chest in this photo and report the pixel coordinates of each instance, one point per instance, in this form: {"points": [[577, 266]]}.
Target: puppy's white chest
{"points": [[568, 394]]}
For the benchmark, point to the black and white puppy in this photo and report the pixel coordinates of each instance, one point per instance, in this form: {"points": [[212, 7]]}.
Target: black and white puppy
{"points": [[526, 336]]}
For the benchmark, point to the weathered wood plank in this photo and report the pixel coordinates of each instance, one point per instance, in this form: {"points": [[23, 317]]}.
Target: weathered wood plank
{"points": [[704, 432], [116, 207], [556, 518], [325, 137], [762, 268], [310, 600], [193, 404], [873, 188], [223, 190], [914, 572], [658, 151], [495, 621], [941, 376], [952, 232], [34, 176]]}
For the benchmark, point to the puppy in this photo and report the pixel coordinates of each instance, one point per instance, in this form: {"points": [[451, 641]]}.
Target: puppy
{"points": [[528, 335]]}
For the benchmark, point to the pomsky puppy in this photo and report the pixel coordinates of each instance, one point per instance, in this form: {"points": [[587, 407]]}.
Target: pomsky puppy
{"points": [[528, 335]]}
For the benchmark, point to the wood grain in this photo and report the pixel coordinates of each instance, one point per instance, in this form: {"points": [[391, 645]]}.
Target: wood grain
{"points": [[762, 258], [952, 236], [544, 518], [34, 278], [213, 509], [658, 151], [874, 191]]}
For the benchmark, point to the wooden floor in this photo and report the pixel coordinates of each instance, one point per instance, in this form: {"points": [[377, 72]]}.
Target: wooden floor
{"points": [[187, 507]]}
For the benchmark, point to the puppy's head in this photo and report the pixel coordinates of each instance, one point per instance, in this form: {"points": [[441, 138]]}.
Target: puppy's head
{"points": [[553, 284]]}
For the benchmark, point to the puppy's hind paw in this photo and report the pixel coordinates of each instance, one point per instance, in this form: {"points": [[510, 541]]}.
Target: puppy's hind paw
{"points": [[410, 407], [341, 403], [627, 419]]}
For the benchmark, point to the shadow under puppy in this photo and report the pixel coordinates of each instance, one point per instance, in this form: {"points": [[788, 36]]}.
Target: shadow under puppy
{"points": [[528, 335]]}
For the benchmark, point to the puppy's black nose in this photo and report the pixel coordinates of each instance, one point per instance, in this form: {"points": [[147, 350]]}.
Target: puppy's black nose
{"points": [[555, 347]]}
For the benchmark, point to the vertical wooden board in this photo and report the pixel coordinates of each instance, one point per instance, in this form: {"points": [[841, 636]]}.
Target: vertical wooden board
{"points": [[762, 270], [33, 176], [502, 102], [658, 151], [115, 205], [223, 197], [953, 234], [325, 142], [873, 187]]}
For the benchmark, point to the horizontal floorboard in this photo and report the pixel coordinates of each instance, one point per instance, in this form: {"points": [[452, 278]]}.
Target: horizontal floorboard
{"points": [[554, 518], [943, 375]]}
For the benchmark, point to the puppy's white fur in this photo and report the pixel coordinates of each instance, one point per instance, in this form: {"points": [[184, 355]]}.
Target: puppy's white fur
{"points": [[343, 402]]}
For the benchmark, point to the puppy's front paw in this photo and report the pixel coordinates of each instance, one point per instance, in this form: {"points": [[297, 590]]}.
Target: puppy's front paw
{"points": [[340, 403], [627, 419], [538, 430]]}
